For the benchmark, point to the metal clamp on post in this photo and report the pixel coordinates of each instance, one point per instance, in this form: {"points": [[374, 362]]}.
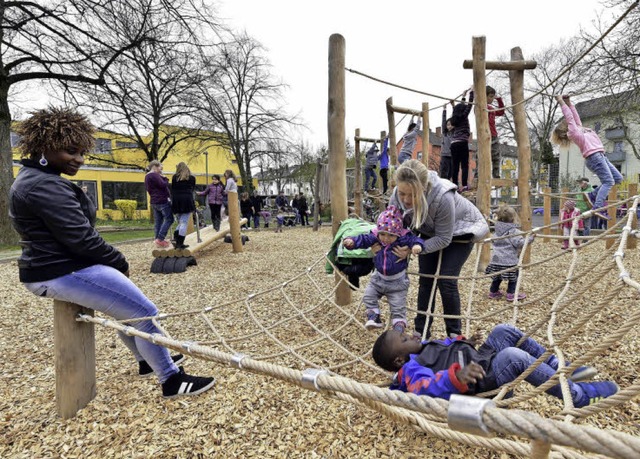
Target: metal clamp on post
{"points": [[236, 360], [465, 414], [310, 378], [187, 346]]}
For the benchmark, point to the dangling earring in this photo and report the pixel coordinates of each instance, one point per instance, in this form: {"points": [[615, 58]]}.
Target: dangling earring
{"points": [[43, 161]]}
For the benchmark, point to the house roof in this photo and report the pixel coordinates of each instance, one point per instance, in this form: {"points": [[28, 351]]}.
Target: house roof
{"points": [[614, 103]]}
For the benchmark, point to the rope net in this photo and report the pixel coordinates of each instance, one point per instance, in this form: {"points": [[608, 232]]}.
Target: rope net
{"points": [[582, 303]]}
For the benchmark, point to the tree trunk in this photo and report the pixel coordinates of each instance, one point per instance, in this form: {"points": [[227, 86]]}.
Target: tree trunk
{"points": [[7, 233]]}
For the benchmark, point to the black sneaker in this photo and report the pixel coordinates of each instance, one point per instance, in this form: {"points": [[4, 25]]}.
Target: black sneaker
{"points": [[184, 384], [145, 370], [373, 321]]}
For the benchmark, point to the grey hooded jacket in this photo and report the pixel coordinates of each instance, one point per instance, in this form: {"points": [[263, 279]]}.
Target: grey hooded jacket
{"points": [[506, 250], [448, 215]]}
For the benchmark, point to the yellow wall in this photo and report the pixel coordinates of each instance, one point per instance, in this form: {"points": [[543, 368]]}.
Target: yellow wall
{"points": [[190, 151]]}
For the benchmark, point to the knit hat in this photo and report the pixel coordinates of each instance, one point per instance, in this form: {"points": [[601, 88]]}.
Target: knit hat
{"points": [[390, 221], [570, 204]]}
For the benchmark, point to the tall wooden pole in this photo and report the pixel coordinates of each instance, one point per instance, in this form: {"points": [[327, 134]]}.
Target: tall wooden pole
{"points": [[75, 357], [524, 146], [316, 197], [234, 221], [633, 191], [613, 197], [546, 216], [425, 134], [391, 118], [357, 198], [483, 193], [337, 148]]}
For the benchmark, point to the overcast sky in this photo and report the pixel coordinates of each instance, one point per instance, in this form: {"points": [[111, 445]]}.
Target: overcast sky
{"points": [[417, 44]]}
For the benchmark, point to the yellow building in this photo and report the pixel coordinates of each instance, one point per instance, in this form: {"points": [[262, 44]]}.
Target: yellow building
{"points": [[113, 173]]}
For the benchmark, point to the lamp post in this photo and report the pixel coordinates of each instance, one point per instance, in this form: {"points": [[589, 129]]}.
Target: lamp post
{"points": [[206, 167]]}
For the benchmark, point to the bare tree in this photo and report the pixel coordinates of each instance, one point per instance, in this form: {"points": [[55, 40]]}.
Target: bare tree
{"points": [[47, 41], [243, 102], [149, 91]]}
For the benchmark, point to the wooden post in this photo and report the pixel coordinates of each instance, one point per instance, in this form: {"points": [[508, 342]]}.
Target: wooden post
{"points": [[234, 221], [190, 225], [546, 213], [337, 150], [391, 118], [524, 146], [316, 198], [75, 358], [613, 197], [632, 241], [483, 193], [357, 198], [425, 134], [540, 449]]}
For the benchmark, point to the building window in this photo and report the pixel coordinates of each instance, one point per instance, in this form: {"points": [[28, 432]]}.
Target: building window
{"points": [[89, 187], [103, 146], [15, 139], [126, 145], [123, 190]]}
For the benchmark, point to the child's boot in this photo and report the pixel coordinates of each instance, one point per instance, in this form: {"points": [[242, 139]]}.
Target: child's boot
{"points": [[399, 325], [593, 392], [373, 320], [495, 295], [565, 245]]}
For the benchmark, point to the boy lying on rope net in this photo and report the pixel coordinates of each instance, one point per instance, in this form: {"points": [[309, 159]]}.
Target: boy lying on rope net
{"points": [[440, 368]]}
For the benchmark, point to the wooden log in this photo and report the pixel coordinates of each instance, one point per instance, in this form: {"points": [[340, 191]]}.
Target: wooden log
{"points": [[365, 139], [547, 213], [357, 193], [540, 449], [408, 111], [632, 241], [483, 195], [75, 358], [337, 148], [391, 120], [524, 146], [425, 134], [316, 197], [504, 182], [498, 65], [207, 236], [234, 221], [611, 213]]}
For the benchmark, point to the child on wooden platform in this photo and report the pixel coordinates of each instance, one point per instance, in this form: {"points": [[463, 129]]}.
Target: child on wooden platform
{"points": [[507, 243], [440, 368], [390, 276]]}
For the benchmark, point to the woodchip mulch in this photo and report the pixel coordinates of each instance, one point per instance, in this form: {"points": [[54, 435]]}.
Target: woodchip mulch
{"points": [[290, 322]]}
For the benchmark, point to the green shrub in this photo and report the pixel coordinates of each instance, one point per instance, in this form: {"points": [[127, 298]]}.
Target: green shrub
{"points": [[127, 207]]}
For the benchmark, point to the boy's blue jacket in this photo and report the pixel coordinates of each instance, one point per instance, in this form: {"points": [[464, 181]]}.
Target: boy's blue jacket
{"points": [[433, 371], [385, 261]]}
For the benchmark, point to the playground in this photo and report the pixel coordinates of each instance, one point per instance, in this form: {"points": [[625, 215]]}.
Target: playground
{"points": [[293, 327]]}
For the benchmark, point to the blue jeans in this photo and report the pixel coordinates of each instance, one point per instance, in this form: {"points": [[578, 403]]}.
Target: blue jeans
{"points": [[510, 361], [107, 290], [163, 219], [370, 173], [599, 164], [183, 223]]}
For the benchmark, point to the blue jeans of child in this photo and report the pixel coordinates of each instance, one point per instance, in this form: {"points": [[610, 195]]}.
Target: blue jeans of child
{"points": [[163, 219], [107, 290], [510, 362], [370, 173], [599, 164], [183, 223]]}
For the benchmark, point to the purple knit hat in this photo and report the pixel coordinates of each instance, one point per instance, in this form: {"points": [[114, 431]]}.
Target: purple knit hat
{"points": [[390, 221], [570, 204]]}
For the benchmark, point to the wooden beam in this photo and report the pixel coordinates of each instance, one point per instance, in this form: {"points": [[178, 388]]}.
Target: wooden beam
{"points": [[408, 111], [498, 65], [75, 358], [391, 120], [207, 236], [613, 197], [357, 193], [365, 139], [546, 216], [483, 193], [337, 148], [524, 146], [632, 241], [425, 134]]}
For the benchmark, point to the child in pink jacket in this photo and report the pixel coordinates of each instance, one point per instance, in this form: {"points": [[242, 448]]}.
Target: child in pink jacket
{"points": [[569, 211]]}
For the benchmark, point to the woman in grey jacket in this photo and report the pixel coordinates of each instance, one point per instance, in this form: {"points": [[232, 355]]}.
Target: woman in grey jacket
{"points": [[449, 224]]}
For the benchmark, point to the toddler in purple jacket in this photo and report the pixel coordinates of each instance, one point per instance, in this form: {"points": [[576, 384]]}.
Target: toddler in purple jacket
{"points": [[390, 276]]}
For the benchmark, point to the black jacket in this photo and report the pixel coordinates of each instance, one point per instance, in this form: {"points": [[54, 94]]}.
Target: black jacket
{"points": [[55, 219], [182, 200]]}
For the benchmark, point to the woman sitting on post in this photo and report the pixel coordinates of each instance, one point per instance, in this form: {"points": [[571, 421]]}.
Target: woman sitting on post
{"points": [[63, 256]]}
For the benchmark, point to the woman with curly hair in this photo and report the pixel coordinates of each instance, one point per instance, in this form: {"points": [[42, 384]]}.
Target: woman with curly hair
{"points": [[64, 257]]}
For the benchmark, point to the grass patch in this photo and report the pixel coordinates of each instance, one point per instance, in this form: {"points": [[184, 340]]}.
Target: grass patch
{"points": [[146, 223], [120, 236]]}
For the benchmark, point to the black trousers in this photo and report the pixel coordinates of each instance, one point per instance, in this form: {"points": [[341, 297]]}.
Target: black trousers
{"points": [[215, 215], [445, 167], [385, 179], [454, 257], [460, 160]]}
